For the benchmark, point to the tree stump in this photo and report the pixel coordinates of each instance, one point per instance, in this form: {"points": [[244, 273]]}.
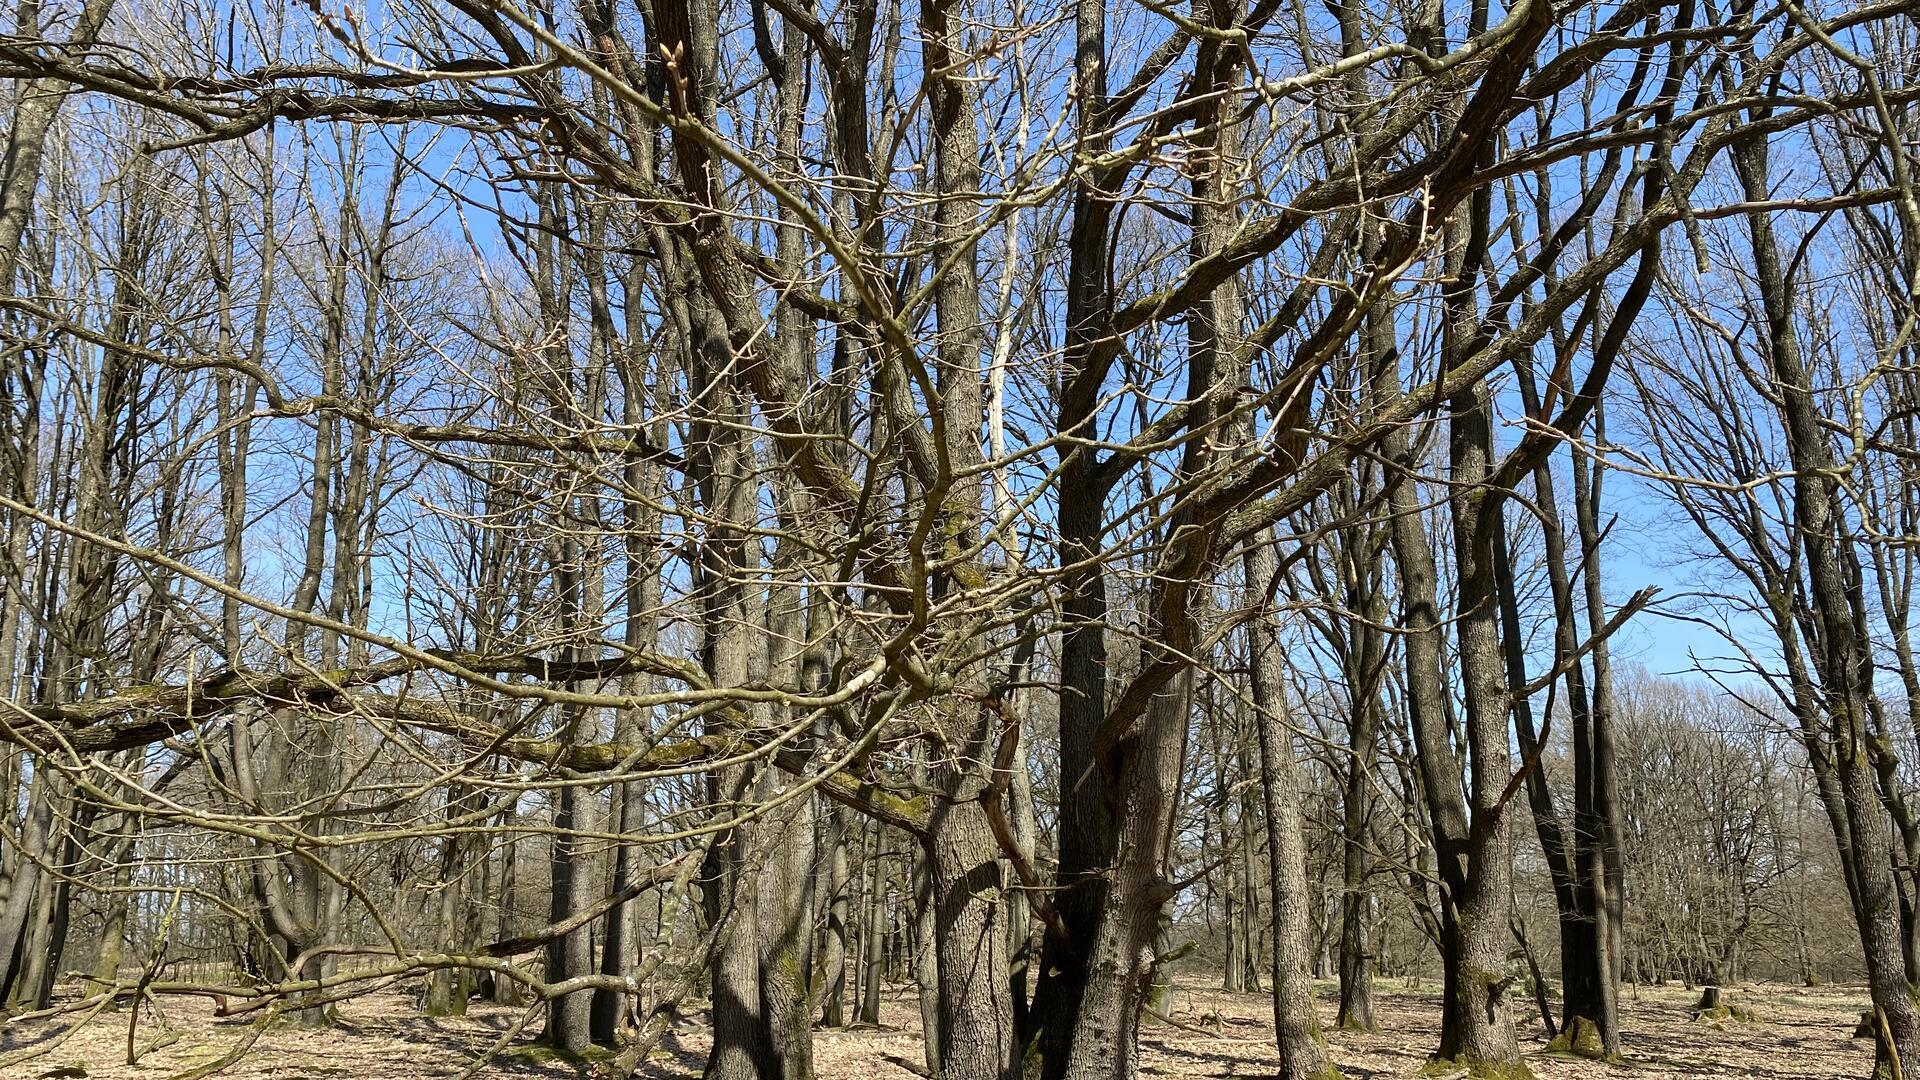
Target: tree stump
{"points": [[1713, 1006]]}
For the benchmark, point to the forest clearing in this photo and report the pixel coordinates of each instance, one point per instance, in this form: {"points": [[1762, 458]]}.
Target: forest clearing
{"points": [[1789, 1033]]}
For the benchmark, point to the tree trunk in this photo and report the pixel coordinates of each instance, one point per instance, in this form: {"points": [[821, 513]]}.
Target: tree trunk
{"points": [[569, 955], [1145, 778], [742, 1043], [1487, 1042], [784, 907], [1295, 1014], [1356, 896], [1087, 828], [23, 892], [1845, 670], [833, 966], [926, 962], [975, 1010], [871, 932], [1439, 768]]}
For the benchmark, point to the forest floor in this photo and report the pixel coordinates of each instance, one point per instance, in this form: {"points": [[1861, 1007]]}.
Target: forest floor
{"points": [[1791, 1032]]}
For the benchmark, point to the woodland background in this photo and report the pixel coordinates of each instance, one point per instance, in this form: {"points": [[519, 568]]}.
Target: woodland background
{"points": [[737, 507]]}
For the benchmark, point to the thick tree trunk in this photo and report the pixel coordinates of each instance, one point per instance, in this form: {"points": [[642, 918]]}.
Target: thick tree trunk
{"points": [[45, 940], [24, 890], [1145, 779], [742, 1044], [1488, 1045], [784, 907], [113, 926], [976, 1039]]}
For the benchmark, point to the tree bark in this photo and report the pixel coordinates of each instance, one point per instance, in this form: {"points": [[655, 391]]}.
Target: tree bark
{"points": [[1145, 775], [1488, 1045], [1295, 1015], [1846, 672]]}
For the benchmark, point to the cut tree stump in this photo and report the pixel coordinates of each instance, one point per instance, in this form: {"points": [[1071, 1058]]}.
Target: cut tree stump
{"points": [[1713, 1006]]}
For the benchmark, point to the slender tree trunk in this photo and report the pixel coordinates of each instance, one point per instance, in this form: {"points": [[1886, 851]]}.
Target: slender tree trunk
{"points": [[36, 104], [570, 954], [1600, 821], [833, 965], [871, 932], [926, 962], [1356, 804], [1087, 829], [1846, 673], [447, 989], [1296, 1017], [1439, 768], [505, 991]]}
